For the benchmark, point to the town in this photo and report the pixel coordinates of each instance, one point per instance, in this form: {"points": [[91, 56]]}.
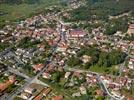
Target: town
{"points": [[46, 58]]}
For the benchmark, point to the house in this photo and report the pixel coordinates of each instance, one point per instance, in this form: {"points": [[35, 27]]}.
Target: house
{"points": [[86, 58], [38, 97], [29, 90], [76, 33], [99, 92], [83, 90], [59, 97], [2, 68], [61, 62], [7, 83], [78, 94], [131, 63], [67, 74], [62, 47], [46, 91], [50, 68], [46, 75], [19, 51], [132, 51], [26, 95], [38, 67], [130, 98], [112, 86], [42, 47], [77, 74], [130, 30]]}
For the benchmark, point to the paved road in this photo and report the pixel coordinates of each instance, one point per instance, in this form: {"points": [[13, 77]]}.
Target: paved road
{"points": [[103, 86], [88, 71], [101, 83], [78, 70], [12, 70], [40, 73], [123, 64]]}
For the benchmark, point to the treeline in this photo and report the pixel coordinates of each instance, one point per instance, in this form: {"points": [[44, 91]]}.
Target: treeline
{"points": [[19, 1], [120, 24], [129, 37], [101, 9], [99, 58], [27, 43], [3, 46]]}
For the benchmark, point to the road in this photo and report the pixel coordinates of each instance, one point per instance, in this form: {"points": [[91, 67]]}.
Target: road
{"points": [[46, 63], [104, 88], [78, 70], [12, 70], [101, 83], [123, 64]]}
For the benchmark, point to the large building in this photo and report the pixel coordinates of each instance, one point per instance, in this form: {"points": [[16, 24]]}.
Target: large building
{"points": [[76, 33]]}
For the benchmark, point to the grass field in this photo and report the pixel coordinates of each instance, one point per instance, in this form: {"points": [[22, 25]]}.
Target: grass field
{"points": [[15, 12], [1, 80], [112, 70]]}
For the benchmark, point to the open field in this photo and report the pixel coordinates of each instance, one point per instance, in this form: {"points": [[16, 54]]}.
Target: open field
{"points": [[15, 12]]}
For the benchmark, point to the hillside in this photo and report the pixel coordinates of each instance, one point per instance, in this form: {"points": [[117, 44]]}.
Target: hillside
{"points": [[101, 9], [12, 10], [19, 1]]}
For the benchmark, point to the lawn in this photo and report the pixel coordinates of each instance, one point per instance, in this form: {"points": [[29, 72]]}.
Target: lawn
{"points": [[57, 89], [3, 46], [111, 70], [14, 12], [1, 80]]}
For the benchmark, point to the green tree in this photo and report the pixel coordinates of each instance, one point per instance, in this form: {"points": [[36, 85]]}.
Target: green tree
{"points": [[56, 76], [73, 61], [32, 1]]}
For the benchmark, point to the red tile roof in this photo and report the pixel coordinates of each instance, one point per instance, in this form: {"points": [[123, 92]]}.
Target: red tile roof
{"points": [[38, 67], [63, 45], [4, 85], [131, 26], [60, 97], [46, 91], [99, 92], [38, 97], [77, 33]]}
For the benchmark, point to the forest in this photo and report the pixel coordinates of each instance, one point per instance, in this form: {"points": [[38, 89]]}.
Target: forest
{"points": [[98, 57], [101, 9], [19, 1]]}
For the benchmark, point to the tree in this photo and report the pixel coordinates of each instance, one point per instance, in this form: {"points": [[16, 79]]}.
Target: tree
{"points": [[116, 57], [64, 2], [73, 61], [3, 46], [26, 42], [13, 1], [85, 97], [103, 60], [129, 37], [100, 98], [131, 74], [56, 76], [10, 88], [101, 9], [110, 29], [32, 1]]}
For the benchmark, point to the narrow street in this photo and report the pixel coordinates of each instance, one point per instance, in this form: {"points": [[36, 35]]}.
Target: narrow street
{"points": [[100, 81], [46, 63], [123, 64]]}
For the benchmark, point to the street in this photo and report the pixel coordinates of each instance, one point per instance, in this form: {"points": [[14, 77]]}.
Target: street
{"points": [[46, 63]]}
